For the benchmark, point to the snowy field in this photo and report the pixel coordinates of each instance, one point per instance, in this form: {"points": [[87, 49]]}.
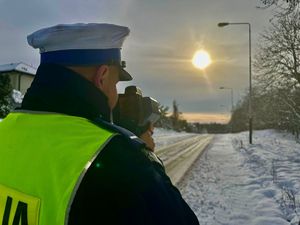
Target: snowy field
{"points": [[234, 183]]}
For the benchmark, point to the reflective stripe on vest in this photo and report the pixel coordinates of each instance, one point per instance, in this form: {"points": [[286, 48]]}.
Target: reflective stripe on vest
{"points": [[43, 158]]}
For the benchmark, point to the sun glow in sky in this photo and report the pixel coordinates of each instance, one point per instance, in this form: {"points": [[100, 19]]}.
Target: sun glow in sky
{"points": [[201, 59], [159, 50], [207, 117]]}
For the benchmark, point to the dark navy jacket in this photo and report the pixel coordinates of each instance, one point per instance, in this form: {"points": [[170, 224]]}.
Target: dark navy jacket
{"points": [[123, 186]]}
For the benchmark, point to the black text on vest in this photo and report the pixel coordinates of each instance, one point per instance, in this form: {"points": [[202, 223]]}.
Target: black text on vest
{"points": [[20, 214]]}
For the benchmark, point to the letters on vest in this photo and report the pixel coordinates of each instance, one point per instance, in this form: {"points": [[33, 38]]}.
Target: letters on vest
{"points": [[17, 208]]}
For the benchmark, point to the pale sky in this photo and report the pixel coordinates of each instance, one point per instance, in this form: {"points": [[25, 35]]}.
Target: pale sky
{"points": [[164, 36]]}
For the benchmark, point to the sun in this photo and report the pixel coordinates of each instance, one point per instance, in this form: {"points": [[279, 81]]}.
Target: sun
{"points": [[201, 59]]}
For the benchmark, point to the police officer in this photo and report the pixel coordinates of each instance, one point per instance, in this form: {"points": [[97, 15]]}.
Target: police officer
{"points": [[62, 161]]}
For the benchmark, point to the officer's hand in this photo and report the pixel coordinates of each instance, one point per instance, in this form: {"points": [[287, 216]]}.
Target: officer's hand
{"points": [[147, 138]]}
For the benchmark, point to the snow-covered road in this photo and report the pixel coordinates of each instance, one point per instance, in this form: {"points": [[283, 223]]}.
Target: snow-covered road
{"points": [[178, 157]]}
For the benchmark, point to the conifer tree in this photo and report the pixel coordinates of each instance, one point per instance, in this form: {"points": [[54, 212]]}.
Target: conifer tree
{"points": [[5, 95]]}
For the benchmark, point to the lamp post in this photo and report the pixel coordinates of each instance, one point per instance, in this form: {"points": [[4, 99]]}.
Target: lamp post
{"points": [[223, 24], [231, 91]]}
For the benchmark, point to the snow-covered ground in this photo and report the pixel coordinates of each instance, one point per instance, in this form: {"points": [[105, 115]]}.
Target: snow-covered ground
{"points": [[233, 183]]}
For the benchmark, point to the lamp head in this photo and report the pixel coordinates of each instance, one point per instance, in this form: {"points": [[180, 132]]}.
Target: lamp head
{"points": [[222, 24]]}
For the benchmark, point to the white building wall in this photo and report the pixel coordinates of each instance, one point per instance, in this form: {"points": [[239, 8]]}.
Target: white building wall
{"points": [[26, 81]]}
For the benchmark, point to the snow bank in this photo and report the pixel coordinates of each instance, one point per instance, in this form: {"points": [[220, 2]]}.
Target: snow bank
{"points": [[17, 96], [237, 183]]}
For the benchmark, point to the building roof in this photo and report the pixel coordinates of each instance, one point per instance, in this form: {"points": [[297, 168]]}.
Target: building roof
{"points": [[20, 67]]}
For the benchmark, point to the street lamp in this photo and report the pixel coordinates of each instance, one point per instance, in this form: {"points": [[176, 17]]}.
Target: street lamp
{"points": [[223, 24], [231, 91], [228, 88]]}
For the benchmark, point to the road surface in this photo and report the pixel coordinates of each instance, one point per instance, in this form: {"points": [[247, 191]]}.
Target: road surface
{"points": [[179, 156]]}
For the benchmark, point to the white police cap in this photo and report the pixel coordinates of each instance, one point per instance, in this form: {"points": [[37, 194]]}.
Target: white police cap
{"points": [[81, 45]]}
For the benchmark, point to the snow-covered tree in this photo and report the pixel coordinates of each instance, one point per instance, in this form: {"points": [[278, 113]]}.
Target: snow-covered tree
{"points": [[277, 61], [283, 7], [277, 73], [175, 116]]}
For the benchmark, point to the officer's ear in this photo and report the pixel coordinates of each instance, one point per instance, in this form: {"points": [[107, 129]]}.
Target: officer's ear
{"points": [[101, 76]]}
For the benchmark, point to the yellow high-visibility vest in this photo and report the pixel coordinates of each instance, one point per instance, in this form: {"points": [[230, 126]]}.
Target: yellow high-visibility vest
{"points": [[43, 158]]}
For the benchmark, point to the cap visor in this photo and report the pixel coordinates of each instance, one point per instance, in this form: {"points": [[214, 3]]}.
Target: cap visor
{"points": [[124, 75]]}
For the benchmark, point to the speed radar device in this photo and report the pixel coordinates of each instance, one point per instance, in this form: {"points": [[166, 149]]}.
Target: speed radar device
{"points": [[135, 112]]}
